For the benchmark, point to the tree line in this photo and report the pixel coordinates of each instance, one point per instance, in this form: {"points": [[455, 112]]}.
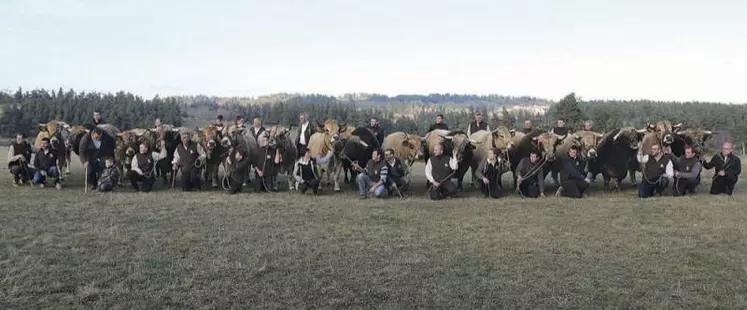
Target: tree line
{"points": [[22, 111]]}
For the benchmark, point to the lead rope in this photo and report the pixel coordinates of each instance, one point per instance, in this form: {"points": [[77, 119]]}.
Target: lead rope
{"points": [[531, 173]]}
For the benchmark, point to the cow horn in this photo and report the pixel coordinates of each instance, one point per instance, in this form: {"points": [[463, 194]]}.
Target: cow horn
{"points": [[447, 137], [677, 126], [320, 124], [707, 132], [364, 144], [598, 135], [559, 136], [473, 141], [641, 130], [344, 124]]}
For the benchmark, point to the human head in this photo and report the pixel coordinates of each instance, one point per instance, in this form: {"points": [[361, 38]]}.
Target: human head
{"points": [[97, 115], [573, 152], [534, 156], [560, 123], [478, 117], [492, 154], [185, 137], [587, 125], [257, 122], [374, 122], [527, 124], [438, 149], [376, 155], [158, 122], [389, 154], [726, 149], [19, 137], [45, 143], [655, 150], [302, 118], [689, 152], [439, 118], [96, 133], [143, 148], [109, 162]]}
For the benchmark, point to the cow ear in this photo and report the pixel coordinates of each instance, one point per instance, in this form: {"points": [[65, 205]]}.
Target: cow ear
{"points": [[42, 127], [512, 132]]}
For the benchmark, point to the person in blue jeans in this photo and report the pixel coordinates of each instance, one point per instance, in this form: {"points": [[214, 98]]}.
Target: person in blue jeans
{"points": [[373, 178], [45, 163]]}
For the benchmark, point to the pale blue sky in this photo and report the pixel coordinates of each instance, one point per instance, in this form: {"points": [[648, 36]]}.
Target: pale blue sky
{"points": [[657, 49]]}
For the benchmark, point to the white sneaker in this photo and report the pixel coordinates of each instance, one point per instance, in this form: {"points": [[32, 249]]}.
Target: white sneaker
{"points": [[58, 186], [41, 185]]}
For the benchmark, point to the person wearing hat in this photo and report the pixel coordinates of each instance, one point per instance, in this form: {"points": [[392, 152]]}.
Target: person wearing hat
{"points": [[305, 172], [477, 125]]}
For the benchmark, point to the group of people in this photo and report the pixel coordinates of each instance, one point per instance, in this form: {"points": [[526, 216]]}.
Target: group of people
{"points": [[384, 175]]}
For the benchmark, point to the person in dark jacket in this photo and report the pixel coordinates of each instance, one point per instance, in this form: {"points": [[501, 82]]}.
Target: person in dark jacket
{"points": [[266, 163], [488, 172], [305, 172], [378, 132], [109, 176], [19, 157], [530, 176], [560, 128], [527, 127], [477, 125], [398, 174], [239, 164], [687, 173], [187, 156], [305, 130], [257, 128], [657, 170], [439, 170], [439, 124], [573, 184], [728, 168], [143, 165], [373, 178], [93, 149], [45, 163]]}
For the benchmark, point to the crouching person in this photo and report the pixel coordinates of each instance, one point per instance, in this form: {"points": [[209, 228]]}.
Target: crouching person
{"points": [[186, 157], [45, 162], [305, 172], [109, 176], [143, 165], [398, 177], [488, 173], [239, 164], [530, 176], [373, 178], [438, 171], [687, 176], [573, 182], [19, 157], [657, 170], [728, 168]]}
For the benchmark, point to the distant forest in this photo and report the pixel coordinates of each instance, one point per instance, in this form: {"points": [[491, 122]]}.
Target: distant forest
{"points": [[23, 110]]}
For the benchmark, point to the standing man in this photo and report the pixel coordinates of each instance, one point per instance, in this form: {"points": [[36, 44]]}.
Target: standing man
{"points": [[97, 120], [158, 123], [530, 176], [657, 169], [488, 173], [527, 127], [373, 178], [587, 125], [573, 184], [439, 123], [143, 165], [560, 128], [186, 156], [728, 168], [378, 132], [45, 163], [257, 128], [438, 171], [219, 121], [304, 134], [93, 149], [19, 157], [477, 125], [687, 176]]}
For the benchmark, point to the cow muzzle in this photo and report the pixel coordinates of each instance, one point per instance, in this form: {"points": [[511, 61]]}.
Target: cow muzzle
{"points": [[668, 139], [225, 142], [592, 153], [211, 144]]}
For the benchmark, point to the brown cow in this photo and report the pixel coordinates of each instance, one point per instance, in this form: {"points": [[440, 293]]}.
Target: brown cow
{"points": [[499, 138], [405, 146], [215, 153], [452, 140], [58, 133]]}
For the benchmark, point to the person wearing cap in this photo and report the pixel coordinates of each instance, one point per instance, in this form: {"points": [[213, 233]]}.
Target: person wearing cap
{"points": [[305, 172], [477, 125]]}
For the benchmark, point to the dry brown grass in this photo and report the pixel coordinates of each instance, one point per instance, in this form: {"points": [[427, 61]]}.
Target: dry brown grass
{"points": [[167, 249]]}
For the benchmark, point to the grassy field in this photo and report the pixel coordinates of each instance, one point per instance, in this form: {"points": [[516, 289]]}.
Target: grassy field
{"points": [[168, 249]]}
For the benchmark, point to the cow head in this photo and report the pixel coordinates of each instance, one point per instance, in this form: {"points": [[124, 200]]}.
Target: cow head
{"points": [[233, 136], [589, 142], [57, 133], [546, 142], [209, 135], [502, 138], [695, 137], [413, 146], [459, 142], [126, 144], [629, 135], [332, 130]]}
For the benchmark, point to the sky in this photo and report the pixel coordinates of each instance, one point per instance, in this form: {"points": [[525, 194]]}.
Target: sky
{"points": [[656, 49]]}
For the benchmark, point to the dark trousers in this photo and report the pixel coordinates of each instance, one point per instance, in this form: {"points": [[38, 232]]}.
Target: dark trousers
{"points": [[684, 186], [22, 173], [723, 185], [491, 189], [265, 184], [236, 185], [147, 183], [95, 166], [646, 189], [573, 188], [313, 184], [299, 146], [447, 188], [529, 189], [190, 179]]}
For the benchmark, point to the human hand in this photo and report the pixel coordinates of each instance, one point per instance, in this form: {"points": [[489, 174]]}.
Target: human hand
{"points": [[485, 181]]}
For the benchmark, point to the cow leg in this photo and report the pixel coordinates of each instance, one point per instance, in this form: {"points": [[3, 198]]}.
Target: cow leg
{"points": [[336, 176], [632, 177]]}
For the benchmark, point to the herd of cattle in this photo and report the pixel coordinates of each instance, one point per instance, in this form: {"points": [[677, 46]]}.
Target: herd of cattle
{"points": [[611, 154]]}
